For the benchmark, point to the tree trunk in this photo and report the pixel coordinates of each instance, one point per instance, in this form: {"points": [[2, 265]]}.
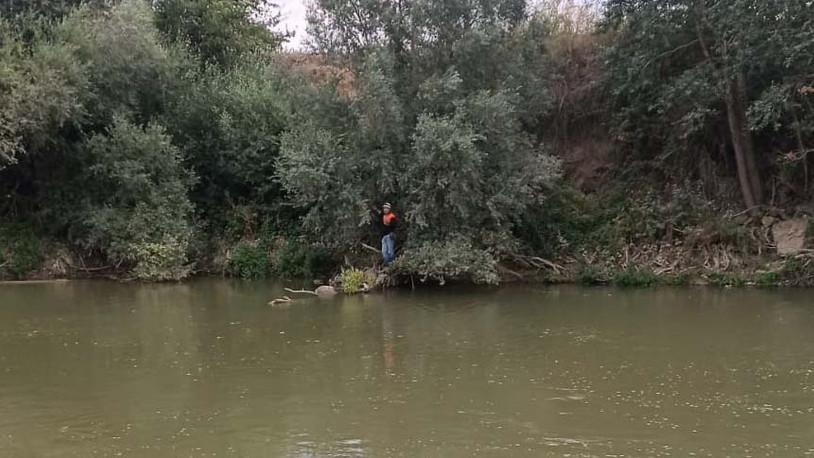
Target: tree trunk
{"points": [[748, 174]]}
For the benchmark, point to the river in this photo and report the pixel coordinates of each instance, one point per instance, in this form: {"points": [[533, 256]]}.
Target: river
{"points": [[206, 368]]}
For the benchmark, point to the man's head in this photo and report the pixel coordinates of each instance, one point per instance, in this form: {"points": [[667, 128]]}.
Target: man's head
{"points": [[386, 208]]}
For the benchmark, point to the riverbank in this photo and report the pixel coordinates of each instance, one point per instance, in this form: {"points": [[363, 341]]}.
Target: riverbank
{"points": [[629, 242], [637, 266]]}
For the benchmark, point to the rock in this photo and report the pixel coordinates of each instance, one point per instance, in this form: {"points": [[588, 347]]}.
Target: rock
{"points": [[325, 292], [790, 236], [768, 221]]}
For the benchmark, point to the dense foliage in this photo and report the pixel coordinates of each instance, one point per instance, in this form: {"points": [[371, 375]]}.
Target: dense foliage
{"points": [[150, 140], [727, 79]]}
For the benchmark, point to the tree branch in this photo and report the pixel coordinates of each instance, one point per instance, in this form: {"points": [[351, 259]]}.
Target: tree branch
{"points": [[365, 245], [672, 51], [301, 291]]}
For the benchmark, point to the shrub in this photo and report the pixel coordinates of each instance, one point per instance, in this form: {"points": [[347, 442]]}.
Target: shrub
{"points": [[768, 279], [635, 277], [679, 279], [160, 261], [137, 209], [726, 279], [21, 252], [798, 272], [454, 259], [355, 280], [589, 275], [250, 261]]}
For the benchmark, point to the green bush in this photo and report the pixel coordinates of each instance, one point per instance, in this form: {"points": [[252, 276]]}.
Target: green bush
{"points": [[355, 280], [589, 275], [727, 279], [137, 210], [160, 261], [250, 261], [679, 279], [633, 277], [21, 252], [768, 279], [798, 272], [455, 259]]}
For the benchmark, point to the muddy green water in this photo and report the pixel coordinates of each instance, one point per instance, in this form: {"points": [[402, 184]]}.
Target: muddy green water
{"points": [[207, 369]]}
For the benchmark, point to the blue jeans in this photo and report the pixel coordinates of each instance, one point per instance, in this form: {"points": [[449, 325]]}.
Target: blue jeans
{"points": [[388, 248]]}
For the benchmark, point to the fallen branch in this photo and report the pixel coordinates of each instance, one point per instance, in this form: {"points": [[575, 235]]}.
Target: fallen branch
{"points": [[301, 291], [282, 300], [365, 245], [748, 210], [90, 269]]}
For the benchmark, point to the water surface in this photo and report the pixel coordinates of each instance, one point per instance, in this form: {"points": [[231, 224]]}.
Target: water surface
{"points": [[207, 369]]}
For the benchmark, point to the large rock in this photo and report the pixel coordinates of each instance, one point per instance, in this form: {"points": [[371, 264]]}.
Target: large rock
{"points": [[326, 292], [790, 236]]}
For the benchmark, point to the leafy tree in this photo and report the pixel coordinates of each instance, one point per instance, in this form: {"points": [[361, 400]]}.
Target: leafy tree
{"points": [[685, 70], [41, 87], [432, 128], [137, 209], [220, 32], [47, 8], [228, 127]]}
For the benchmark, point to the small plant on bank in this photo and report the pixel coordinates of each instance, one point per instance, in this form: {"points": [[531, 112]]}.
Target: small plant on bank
{"points": [[589, 275], [768, 279], [633, 277], [726, 279], [355, 280], [798, 271]]}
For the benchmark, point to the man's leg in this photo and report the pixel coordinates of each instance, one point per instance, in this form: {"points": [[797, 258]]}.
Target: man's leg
{"points": [[384, 247], [391, 249]]}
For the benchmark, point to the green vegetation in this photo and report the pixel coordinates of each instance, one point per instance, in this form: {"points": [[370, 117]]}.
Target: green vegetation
{"points": [[589, 275], [355, 280], [633, 276], [455, 259], [21, 252], [151, 140], [250, 261]]}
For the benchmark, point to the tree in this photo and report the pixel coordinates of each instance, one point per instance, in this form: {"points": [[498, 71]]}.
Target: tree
{"points": [[137, 211], [698, 63], [444, 90], [220, 32]]}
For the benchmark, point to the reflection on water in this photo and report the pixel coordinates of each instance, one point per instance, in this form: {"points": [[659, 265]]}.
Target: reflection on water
{"points": [[207, 369]]}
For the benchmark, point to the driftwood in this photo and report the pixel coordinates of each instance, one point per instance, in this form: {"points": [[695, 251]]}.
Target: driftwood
{"points": [[322, 292], [282, 300], [301, 291]]}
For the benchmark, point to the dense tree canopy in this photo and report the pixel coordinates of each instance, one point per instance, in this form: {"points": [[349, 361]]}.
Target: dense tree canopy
{"points": [[154, 138]]}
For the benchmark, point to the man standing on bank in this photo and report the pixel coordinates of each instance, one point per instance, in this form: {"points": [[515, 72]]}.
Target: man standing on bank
{"points": [[389, 223]]}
